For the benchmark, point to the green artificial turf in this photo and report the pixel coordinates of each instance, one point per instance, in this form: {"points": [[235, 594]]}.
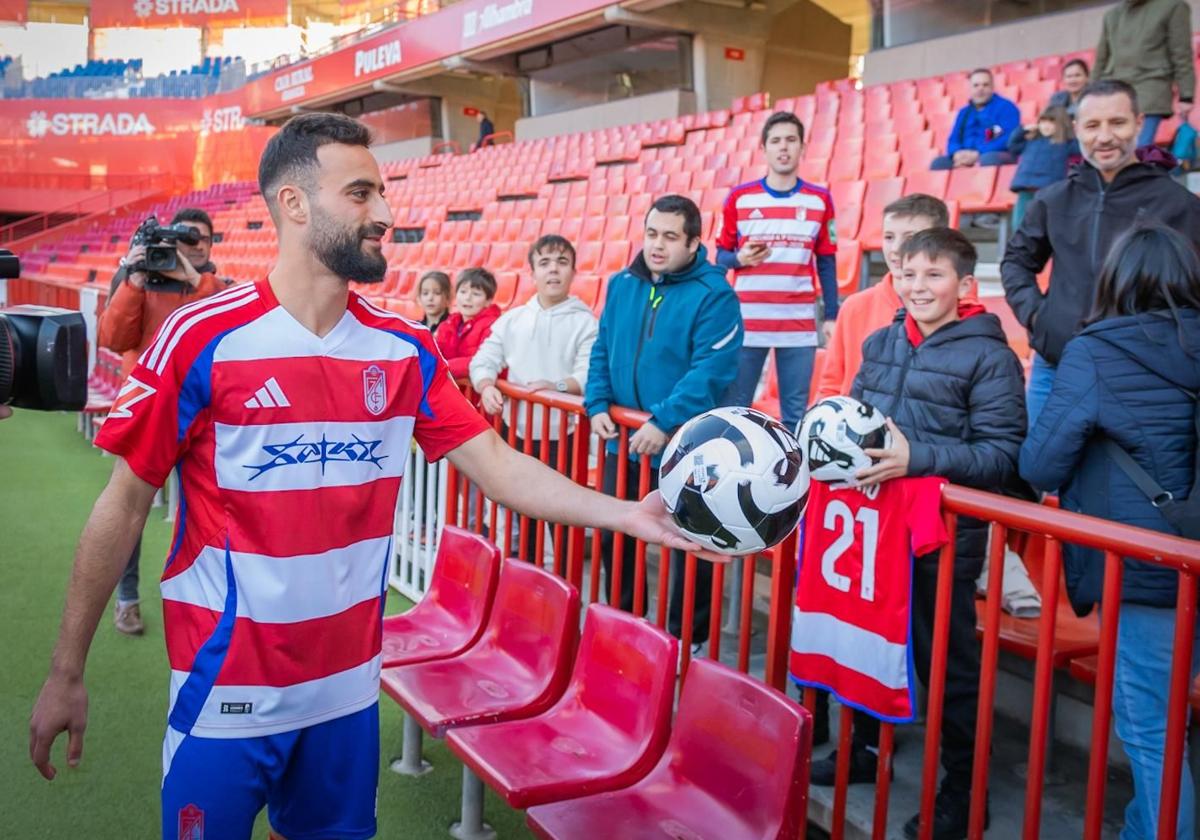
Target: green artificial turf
{"points": [[49, 478]]}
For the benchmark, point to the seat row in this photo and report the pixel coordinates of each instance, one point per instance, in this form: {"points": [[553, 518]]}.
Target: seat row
{"points": [[581, 733]]}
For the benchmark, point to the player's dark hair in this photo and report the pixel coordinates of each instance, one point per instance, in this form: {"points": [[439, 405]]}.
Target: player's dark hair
{"points": [[477, 278], [780, 118], [552, 243], [680, 206], [939, 242], [920, 205], [292, 152]]}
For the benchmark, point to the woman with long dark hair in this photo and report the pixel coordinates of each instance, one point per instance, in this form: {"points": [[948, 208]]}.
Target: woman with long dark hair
{"points": [[1130, 378]]}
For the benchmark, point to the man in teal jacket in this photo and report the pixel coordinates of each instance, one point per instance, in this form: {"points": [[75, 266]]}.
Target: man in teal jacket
{"points": [[668, 345]]}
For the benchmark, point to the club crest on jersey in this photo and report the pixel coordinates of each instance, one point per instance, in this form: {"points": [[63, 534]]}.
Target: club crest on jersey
{"points": [[191, 823], [375, 389]]}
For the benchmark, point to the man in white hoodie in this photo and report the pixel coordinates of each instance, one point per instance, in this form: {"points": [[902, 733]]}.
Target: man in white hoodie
{"points": [[544, 345]]}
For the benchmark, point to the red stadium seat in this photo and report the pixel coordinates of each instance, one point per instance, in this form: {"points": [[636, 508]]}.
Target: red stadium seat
{"points": [[814, 170], [881, 165], [506, 288], [849, 265], [519, 666], [452, 614], [879, 194], [929, 182], [736, 767], [846, 166], [615, 257], [586, 287], [607, 731], [847, 207], [972, 187], [587, 255]]}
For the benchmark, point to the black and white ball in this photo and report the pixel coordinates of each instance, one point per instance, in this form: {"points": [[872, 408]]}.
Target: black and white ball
{"points": [[734, 480], [834, 433]]}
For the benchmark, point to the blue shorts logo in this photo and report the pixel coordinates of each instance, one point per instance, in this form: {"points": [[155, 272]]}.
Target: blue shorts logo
{"points": [[323, 451]]}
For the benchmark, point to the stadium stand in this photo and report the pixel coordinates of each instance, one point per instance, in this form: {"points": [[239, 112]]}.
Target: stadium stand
{"points": [[118, 78]]}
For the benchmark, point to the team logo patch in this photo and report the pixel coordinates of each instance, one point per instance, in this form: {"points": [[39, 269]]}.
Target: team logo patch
{"points": [[375, 389], [191, 823]]}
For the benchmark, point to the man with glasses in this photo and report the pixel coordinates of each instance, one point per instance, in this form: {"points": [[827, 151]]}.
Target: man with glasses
{"points": [[136, 309]]}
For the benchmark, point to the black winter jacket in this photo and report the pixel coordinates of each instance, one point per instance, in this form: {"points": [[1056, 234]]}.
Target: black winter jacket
{"points": [[1120, 379], [959, 398], [1076, 221]]}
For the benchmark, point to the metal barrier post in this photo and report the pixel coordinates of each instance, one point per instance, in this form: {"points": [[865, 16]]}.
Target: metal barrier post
{"points": [[1110, 611], [1177, 705], [987, 681], [1043, 688], [937, 679]]}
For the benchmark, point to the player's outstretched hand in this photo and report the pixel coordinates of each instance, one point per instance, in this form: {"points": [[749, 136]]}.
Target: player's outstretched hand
{"points": [[61, 707], [650, 522]]}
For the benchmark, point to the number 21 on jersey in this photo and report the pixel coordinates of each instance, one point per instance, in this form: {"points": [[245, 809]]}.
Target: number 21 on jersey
{"points": [[857, 535]]}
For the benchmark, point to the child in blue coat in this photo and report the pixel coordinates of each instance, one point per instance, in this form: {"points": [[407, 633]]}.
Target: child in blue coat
{"points": [[1043, 151]]}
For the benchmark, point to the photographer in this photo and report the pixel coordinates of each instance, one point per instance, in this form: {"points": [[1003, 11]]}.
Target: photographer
{"points": [[138, 304]]}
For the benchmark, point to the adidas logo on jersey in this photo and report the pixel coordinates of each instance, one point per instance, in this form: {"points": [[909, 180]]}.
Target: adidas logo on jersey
{"points": [[756, 213], [270, 395]]}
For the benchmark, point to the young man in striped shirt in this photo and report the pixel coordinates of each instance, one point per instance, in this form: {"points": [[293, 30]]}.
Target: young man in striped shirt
{"points": [[778, 236]]}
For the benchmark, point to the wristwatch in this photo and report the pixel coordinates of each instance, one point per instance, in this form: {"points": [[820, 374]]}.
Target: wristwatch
{"points": [[561, 386]]}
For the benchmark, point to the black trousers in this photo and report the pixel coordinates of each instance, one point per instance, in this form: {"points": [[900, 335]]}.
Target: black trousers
{"points": [[533, 526], [703, 584], [960, 707]]}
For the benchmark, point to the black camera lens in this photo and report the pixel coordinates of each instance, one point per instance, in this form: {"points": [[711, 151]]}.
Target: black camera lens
{"points": [[8, 361]]}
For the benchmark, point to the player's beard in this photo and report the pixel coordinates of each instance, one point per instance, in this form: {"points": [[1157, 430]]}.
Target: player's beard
{"points": [[340, 249]]}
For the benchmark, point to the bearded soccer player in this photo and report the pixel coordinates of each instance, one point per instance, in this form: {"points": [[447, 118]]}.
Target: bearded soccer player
{"points": [[778, 236], [288, 407]]}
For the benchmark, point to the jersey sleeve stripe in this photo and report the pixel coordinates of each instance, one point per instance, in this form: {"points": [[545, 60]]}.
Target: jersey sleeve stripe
{"points": [[150, 354], [197, 318]]}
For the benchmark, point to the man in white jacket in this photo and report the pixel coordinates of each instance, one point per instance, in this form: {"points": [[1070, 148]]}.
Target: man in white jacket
{"points": [[544, 345]]}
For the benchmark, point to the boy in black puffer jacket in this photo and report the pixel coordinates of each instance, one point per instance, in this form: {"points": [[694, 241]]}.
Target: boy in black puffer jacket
{"points": [[955, 395]]}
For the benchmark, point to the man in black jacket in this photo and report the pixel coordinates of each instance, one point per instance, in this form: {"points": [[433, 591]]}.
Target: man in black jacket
{"points": [[1075, 222]]}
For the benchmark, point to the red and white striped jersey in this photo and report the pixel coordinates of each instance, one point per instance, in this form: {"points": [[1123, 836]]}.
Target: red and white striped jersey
{"points": [[852, 622], [290, 448], [779, 295]]}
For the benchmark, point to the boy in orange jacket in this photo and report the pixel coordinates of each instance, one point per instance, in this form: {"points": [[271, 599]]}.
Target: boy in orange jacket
{"points": [[864, 312]]}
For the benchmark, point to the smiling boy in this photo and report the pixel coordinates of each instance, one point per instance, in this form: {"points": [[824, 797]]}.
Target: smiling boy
{"points": [[953, 391]]}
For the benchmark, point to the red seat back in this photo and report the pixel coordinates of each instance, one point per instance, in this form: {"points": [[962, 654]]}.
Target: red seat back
{"points": [[743, 743], [534, 620], [464, 575], [624, 675], [972, 186]]}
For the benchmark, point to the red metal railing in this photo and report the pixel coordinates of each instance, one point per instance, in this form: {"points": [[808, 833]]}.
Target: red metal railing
{"points": [[565, 414]]}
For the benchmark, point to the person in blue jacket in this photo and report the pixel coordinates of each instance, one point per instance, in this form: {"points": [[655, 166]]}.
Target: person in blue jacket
{"points": [[982, 127], [1043, 152], [1130, 377], [668, 345]]}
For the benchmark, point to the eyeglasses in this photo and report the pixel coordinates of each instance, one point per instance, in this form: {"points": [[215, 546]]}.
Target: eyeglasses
{"points": [[207, 240]]}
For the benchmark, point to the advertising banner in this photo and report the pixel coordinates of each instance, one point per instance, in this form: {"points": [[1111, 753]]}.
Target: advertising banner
{"points": [[198, 13], [424, 40], [105, 144]]}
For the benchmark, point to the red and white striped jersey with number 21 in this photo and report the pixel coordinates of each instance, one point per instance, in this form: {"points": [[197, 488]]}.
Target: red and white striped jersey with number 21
{"points": [[290, 448], [851, 626]]}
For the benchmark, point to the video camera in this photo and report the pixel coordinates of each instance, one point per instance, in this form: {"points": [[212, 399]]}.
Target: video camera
{"points": [[43, 353], [160, 242]]}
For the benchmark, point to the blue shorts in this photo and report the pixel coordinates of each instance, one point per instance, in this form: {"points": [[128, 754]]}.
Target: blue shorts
{"points": [[318, 783]]}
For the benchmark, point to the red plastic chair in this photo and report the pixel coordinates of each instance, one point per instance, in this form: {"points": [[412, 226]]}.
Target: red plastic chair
{"points": [[972, 187], [736, 767], [450, 617], [607, 731], [928, 181], [518, 667], [880, 193]]}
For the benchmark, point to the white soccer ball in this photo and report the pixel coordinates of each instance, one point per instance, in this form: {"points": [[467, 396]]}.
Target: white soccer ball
{"points": [[834, 433], [734, 480]]}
